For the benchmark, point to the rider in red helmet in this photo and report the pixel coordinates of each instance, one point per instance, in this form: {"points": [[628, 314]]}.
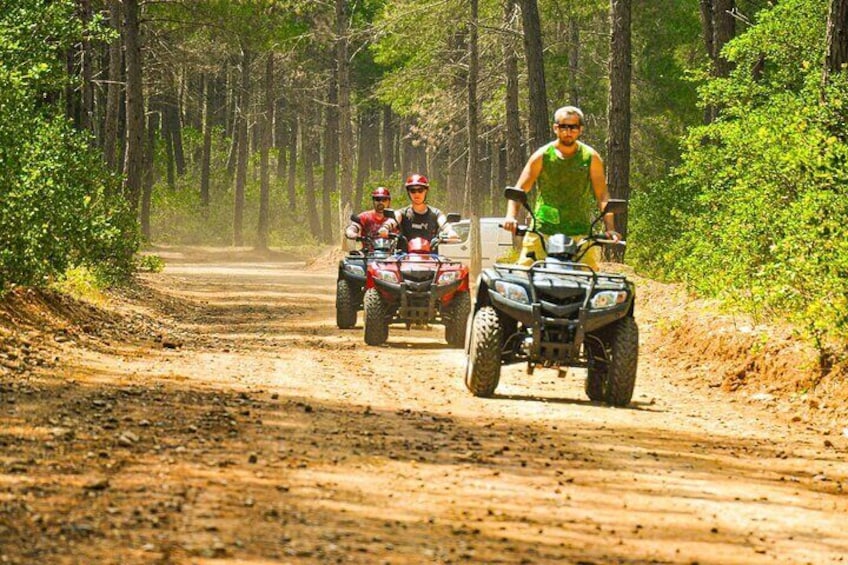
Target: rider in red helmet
{"points": [[368, 223], [418, 219]]}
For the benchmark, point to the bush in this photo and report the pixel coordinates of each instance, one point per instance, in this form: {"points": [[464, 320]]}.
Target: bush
{"points": [[755, 214], [61, 209]]}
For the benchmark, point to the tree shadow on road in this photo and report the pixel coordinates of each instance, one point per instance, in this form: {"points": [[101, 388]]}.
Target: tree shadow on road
{"points": [[169, 468]]}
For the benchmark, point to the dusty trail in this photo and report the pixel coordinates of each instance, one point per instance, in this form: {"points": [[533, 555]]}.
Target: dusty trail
{"points": [[263, 434]]}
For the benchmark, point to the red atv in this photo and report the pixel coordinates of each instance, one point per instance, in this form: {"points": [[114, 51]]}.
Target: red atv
{"points": [[417, 287]]}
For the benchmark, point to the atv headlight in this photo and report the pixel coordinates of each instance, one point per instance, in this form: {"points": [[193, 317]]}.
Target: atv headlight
{"points": [[514, 292], [355, 269], [389, 276], [608, 298], [448, 277]]}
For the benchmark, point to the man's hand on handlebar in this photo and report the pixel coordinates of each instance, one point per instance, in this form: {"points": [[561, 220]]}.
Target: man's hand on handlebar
{"points": [[510, 224], [613, 235]]}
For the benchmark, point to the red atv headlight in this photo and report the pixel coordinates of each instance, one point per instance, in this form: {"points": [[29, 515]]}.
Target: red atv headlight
{"points": [[448, 277], [386, 275]]}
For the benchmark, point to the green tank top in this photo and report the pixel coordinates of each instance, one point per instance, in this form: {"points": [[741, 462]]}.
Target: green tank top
{"points": [[565, 198]]}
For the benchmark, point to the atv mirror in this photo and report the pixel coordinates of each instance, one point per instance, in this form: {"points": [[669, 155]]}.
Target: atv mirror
{"points": [[389, 213], [515, 194], [615, 206], [453, 217], [354, 218]]}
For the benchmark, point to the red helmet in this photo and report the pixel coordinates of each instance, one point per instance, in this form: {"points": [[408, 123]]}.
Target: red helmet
{"points": [[417, 180], [380, 192]]}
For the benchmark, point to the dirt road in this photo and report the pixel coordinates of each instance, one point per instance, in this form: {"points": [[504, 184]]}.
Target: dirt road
{"points": [[241, 426]]}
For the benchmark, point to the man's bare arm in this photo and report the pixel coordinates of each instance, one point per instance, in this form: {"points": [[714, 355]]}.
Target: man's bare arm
{"points": [[526, 181], [599, 186]]}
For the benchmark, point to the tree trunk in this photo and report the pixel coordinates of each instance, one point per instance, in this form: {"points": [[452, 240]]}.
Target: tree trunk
{"points": [[233, 117], [134, 152], [87, 111], [149, 174], [230, 100], [72, 99], [331, 158], [540, 122], [206, 155], [165, 132], [708, 33], [346, 129], [407, 152], [173, 130], [363, 158], [243, 153], [372, 141], [113, 91], [309, 174], [281, 138], [573, 61], [717, 27], [724, 28], [501, 178], [292, 187], [471, 206], [514, 149], [439, 166], [388, 142], [457, 166], [266, 121], [487, 187], [707, 28], [618, 141], [419, 148], [232, 154], [837, 38]]}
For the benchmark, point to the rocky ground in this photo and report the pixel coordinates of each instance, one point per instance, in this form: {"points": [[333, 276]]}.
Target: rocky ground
{"points": [[215, 414]]}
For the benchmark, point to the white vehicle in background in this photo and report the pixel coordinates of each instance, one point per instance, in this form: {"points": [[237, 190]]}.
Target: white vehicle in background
{"points": [[496, 242]]}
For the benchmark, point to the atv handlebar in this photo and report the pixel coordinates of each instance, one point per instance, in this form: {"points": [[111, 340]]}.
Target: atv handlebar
{"points": [[611, 242], [389, 235], [521, 230]]}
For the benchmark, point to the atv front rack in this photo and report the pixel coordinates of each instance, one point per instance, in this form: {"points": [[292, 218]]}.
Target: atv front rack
{"points": [[557, 339]]}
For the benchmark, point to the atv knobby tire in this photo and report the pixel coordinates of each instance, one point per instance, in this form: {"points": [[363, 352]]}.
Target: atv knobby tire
{"points": [[346, 304], [624, 356], [483, 368], [376, 322], [596, 372], [456, 319]]}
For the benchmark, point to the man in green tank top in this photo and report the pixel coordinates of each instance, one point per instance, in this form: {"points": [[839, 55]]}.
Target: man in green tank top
{"points": [[570, 178]]}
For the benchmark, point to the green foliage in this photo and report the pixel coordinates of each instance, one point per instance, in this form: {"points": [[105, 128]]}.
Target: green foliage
{"points": [[32, 34], [82, 283], [61, 209], [755, 214], [148, 263]]}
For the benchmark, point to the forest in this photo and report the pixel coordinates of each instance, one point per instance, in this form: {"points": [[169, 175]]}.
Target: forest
{"points": [[264, 123]]}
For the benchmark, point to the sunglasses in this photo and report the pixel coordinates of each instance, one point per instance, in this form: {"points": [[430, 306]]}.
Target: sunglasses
{"points": [[569, 127], [416, 189], [380, 199]]}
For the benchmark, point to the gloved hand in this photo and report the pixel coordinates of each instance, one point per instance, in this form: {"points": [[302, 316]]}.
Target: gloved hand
{"points": [[352, 231]]}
